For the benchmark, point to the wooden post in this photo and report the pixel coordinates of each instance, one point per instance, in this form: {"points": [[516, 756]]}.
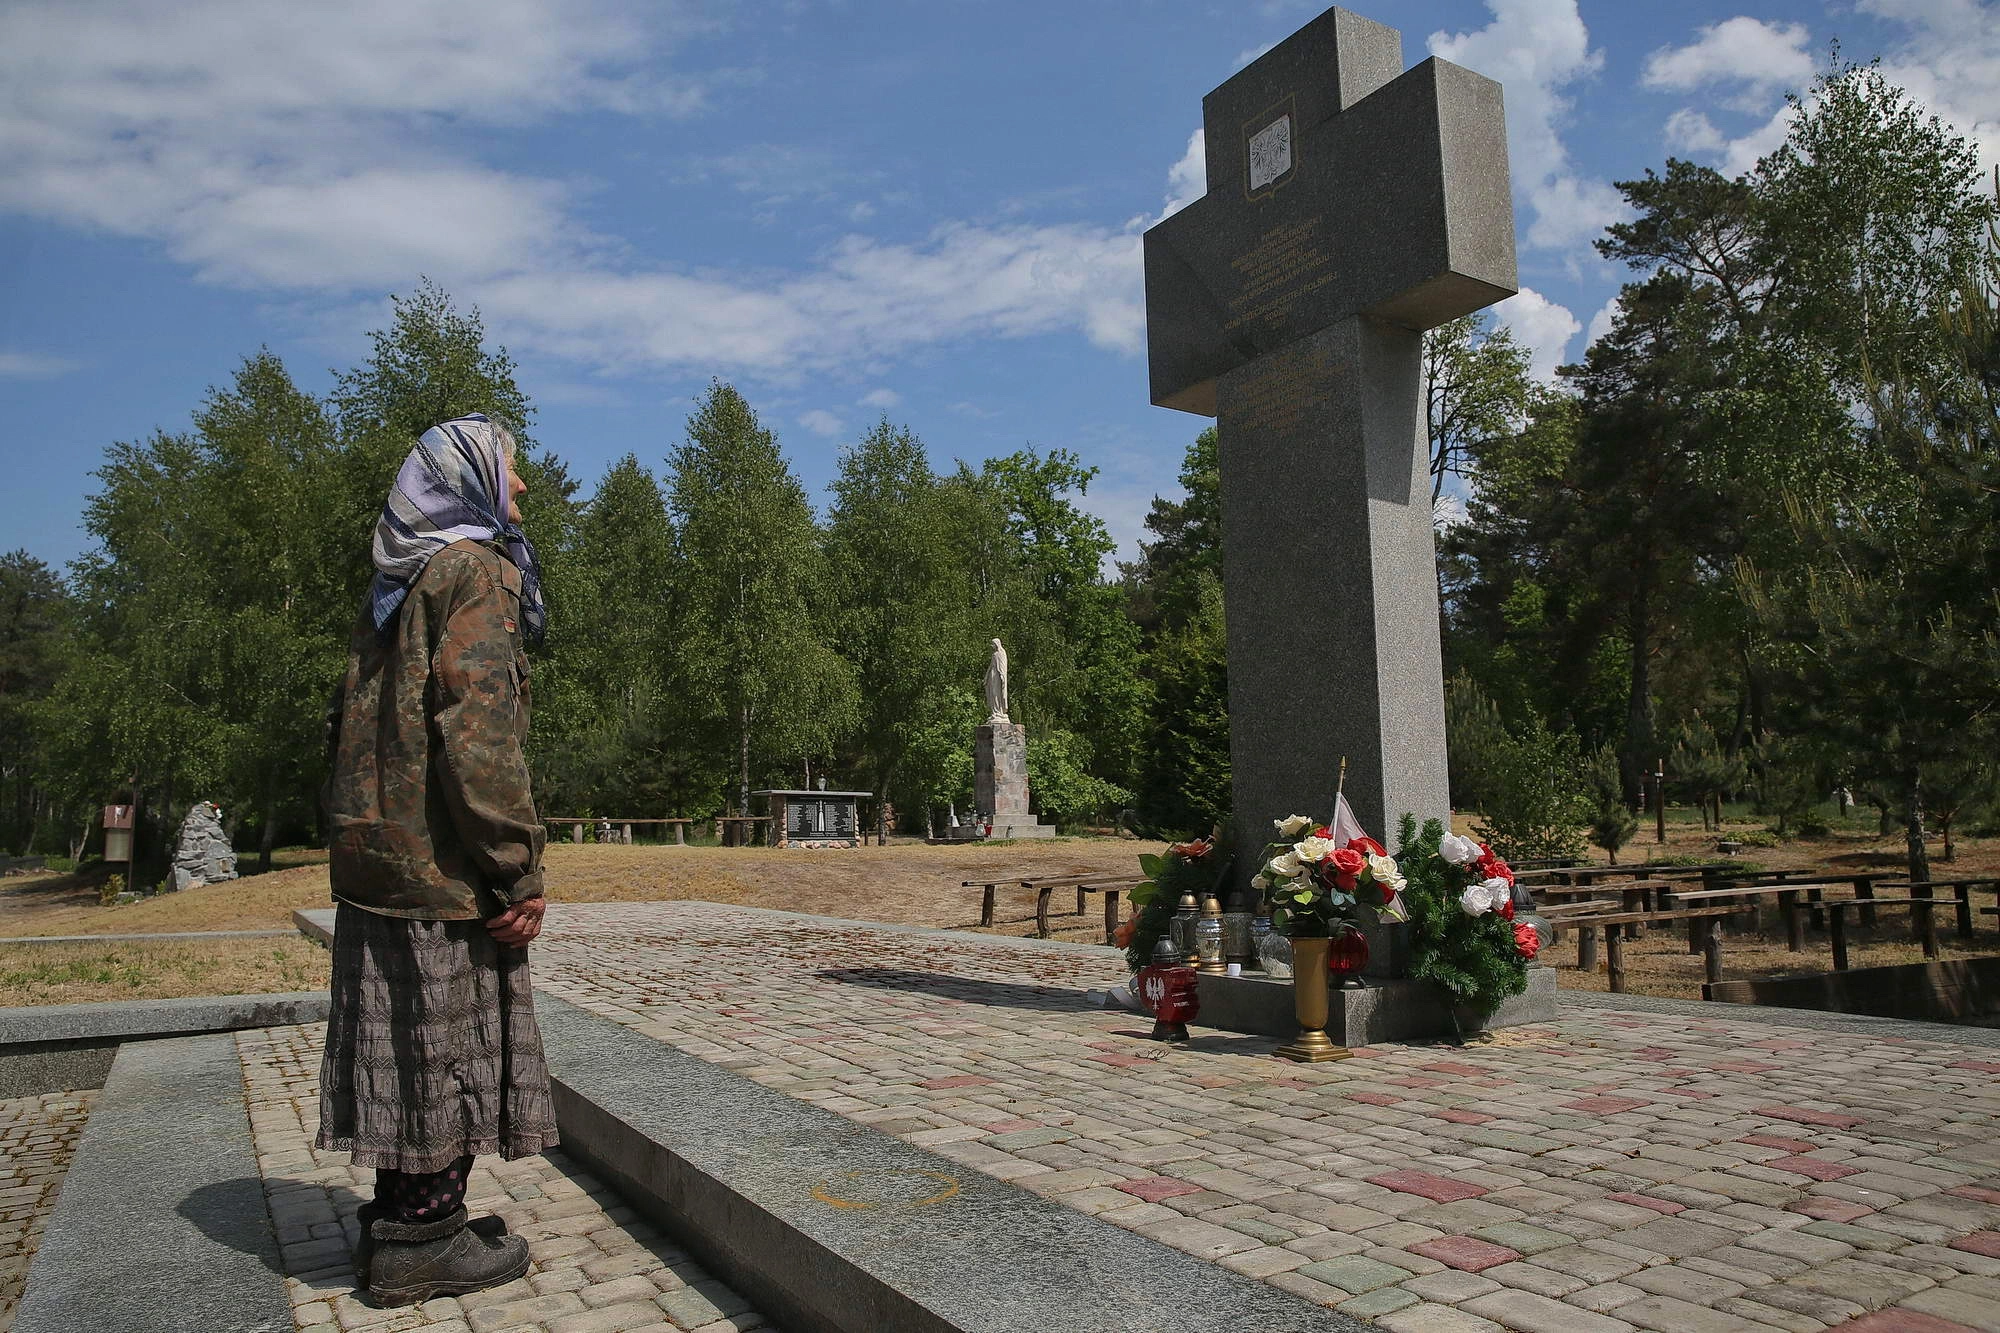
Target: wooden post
{"points": [[986, 906], [1926, 922], [1042, 911], [1836, 920], [1614, 953], [1711, 950], [680, 839], [1079, 900], [1586, 947], [1660, 801], [1864, 889], [1795, 920], [1964, 911], [1110, 915], [1696, 932]]}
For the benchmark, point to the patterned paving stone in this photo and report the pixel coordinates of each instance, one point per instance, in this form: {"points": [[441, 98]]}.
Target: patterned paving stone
{"points": [[1464, 1252], [596, 1268], [37, 1139], [1688, 1184]]}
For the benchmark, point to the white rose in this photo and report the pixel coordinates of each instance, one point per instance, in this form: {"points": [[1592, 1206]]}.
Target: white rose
{"points": [[1498, 889], [1287, 866], [1259, 882], [1313, 850], [1477, 900], [1292, 826], [1383, 868], [1459, 851]]}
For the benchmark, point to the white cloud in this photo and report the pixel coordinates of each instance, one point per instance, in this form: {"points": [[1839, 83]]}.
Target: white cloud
{"points": [[820, 422], [1187, 179], [1245, 57], [31, 366], [882, 398], [1755, 58], [1540, 325], [1689, 131], [330, 151], [1601, 322], [1535, 48]]}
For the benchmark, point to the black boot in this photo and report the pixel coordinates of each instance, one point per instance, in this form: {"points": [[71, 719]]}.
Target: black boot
{"points": [[422, 1261], [491, 1227]]}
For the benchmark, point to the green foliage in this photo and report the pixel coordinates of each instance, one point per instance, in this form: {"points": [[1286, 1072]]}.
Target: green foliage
{"points": [[1475, 739], [754, 595], [1184, 868], [1612, 822], [1476, 388], [1184, 783], [1473, 958], [1059, 777], [1538, 807]]}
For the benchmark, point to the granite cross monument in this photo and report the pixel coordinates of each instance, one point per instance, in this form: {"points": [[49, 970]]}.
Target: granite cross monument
{"points": [[1351, 205]]}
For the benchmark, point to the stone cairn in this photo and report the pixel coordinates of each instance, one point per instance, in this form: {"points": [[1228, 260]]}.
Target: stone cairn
{"points": [[203, 854]]}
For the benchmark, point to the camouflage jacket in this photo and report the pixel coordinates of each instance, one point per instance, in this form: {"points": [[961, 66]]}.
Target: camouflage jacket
{"points": [[428, 809]]}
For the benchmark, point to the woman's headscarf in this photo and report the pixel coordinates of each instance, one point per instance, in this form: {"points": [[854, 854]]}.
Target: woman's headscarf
{"points": [[453, 486]]}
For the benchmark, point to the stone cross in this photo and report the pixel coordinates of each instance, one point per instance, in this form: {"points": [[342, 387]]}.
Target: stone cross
{"points": [[1351, 205]]}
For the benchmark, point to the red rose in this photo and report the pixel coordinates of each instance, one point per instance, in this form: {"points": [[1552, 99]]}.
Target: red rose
{"points": [[1192, 851], [1527, 939], [1367, 845], [1321, 832], [1388, 893], [1347, 865], [1507, 910]]}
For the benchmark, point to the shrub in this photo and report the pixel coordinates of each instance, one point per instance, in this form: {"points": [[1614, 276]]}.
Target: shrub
{"points": [[1536, 808]]}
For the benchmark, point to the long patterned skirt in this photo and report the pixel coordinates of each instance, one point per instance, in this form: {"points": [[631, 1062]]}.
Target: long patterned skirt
{"points": [[432, 1053]]}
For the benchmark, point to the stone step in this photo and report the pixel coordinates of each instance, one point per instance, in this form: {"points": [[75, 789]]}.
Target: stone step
{"points": [[161, 1223], [830, 1226]]}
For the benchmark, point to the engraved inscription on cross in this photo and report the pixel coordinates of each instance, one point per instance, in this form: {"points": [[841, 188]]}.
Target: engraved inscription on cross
{"points": [[1351, 205]]}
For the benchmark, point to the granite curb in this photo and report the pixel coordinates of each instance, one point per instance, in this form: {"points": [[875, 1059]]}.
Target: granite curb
{"points": [[828, 1224], [162, 1214], [67, 1047]]}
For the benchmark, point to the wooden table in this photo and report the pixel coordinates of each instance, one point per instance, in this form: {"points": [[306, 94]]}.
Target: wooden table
{"points": [[1924, 923], [742, 826], [1788, 896]]}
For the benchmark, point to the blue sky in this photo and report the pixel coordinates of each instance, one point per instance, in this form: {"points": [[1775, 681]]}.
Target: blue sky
{"points": [[924, 208]]}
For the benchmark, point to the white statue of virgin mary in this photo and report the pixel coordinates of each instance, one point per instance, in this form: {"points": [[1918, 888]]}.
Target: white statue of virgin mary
{"points": [[996, 685]]}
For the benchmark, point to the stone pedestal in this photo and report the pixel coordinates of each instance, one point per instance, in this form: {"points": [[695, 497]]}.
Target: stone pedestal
{"points": [[1387, 1010], [1000, 780]]}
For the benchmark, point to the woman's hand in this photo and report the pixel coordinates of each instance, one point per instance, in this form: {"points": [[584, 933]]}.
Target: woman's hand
{"points": [[519, 923]]}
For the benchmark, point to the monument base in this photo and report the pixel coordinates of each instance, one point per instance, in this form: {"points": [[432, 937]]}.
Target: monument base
{"points": [[1022, 830], [1383, 1010]]}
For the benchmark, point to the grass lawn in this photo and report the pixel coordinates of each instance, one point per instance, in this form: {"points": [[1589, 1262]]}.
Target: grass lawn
{"points": [[168, 969]]}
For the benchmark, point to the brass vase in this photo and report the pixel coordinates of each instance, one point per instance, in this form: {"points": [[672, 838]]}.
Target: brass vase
{"points": [[1309, 1005]]}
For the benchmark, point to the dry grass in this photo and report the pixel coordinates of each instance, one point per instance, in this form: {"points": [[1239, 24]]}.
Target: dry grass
{"points": [[906, 882], [84, 973], [910, 883]]}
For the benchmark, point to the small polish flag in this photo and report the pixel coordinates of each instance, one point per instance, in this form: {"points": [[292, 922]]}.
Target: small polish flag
{"points": [[1344, 827]]}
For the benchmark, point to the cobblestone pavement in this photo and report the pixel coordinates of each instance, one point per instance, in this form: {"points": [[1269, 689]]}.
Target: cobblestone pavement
{"points": [[596, 1267], [1605, 1172], [37, 1137]]}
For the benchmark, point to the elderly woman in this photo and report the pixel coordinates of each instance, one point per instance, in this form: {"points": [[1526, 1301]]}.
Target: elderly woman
{"points": [[432, 1054]]}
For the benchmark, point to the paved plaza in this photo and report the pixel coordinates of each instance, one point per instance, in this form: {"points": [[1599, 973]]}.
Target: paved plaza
{"points": [[37, 1138], [596, 1267], [1616, 1169]]}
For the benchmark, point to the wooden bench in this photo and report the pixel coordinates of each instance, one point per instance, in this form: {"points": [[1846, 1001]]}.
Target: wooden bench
{"points": [[1923, 923], [1108, 885], [1961, 890], [624, 826], [743, 828], [1612, 923]]}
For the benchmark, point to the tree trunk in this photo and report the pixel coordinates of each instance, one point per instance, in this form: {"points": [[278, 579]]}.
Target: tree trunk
{"points": [[1950, 852], [1913, 822], [267, 838], [1639, 745], [743, 761]]}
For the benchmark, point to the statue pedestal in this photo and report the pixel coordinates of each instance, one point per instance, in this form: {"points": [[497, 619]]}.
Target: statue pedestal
{"points": [[1000, 780], [1397, 1009]]}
